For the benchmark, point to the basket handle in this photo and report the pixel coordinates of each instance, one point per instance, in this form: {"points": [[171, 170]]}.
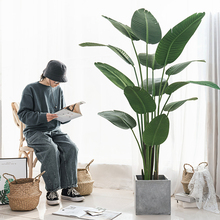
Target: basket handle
{"points": [[87, 166], [184, 166], [202, 163], [9, 175], [39, 175]]}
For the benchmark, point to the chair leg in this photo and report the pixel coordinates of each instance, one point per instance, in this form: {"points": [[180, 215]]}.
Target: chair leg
{"points": [[30, 164], [35, 161]]}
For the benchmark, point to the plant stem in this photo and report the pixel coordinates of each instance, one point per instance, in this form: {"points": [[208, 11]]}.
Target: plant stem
{"points": [[147, 80], [165, 85], [153, 89], [165, 104], [139, 65], [147, 163], [137, 143], [140, 131], [160, 90], [147, 40], [136, 76], [157, 151], [152, 161]]}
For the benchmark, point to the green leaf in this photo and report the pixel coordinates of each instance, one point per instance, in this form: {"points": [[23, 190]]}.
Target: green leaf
{"points": [[124, 29], [90, 44], [174, 86], [179, 67], [145, 26], [175, 105], [205, 83], [152, 63], [173, 43], [119, 119], [156, 131], [122, 54], [114, 75], [139, 99], [117, 50], [157, 82]]}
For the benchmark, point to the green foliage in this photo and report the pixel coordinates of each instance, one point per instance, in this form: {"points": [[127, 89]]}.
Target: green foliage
{"points": [[3, 197], [139, 99], [145, 26], [124, 29], [3, 193], [119, 119], [175, 105], [6, 185], [146, 95], [156, 131], [117, 77], [172, 44]]}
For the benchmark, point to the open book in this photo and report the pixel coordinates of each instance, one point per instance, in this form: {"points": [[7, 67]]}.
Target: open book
{"points": [[70, 112], [87, 213]]}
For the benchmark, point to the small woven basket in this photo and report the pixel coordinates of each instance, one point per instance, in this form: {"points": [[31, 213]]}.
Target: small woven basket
{"points": [[186, 177], [85, 182], [24, 193]]}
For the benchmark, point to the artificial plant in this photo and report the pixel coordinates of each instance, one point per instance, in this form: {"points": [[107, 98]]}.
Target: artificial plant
{"points": [[149, 95]]}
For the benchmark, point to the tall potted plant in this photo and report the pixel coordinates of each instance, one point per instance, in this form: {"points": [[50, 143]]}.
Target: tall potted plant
{"points": [[149, 96]]}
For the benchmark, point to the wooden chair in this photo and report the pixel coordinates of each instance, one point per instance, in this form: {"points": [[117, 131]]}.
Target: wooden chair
{"points": [[28, 152]]}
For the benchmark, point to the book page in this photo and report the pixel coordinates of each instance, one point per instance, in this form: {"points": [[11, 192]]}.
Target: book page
{"points": [[81, 212], [70, 112]]}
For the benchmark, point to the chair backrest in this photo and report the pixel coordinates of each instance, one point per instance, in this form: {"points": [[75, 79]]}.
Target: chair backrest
{"points": [[23, 150], [15, 108]]}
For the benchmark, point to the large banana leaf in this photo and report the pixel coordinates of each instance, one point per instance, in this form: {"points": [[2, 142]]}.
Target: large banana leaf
{"points": [[149, 61], [145, 26], [119, 119], [175, 105], [157, 82], [173, 43], [117, 50], [114, 75], [206, 83], [174, 86], [156, 131], [124, 29], [179, 67], [139, 99], [122, 54]]}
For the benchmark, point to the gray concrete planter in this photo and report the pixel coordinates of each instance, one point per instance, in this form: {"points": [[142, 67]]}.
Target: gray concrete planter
{"points": [[152, 197]]}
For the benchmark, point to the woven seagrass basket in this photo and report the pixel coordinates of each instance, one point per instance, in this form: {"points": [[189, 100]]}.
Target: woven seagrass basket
{"points": [[24, 193], [187, 176], [85, 182]]}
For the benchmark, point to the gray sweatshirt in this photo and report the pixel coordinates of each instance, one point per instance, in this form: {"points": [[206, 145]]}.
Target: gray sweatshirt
{"points": [[38, 100]]}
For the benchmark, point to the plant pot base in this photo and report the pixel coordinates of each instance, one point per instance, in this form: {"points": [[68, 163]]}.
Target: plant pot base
{"points": [[153, 197]]}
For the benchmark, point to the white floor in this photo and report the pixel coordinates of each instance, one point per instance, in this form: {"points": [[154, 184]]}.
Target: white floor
{"points": [[116, 200]]}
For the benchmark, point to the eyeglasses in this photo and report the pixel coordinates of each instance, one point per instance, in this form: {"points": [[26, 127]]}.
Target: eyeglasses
{"points": [[56, 82]]}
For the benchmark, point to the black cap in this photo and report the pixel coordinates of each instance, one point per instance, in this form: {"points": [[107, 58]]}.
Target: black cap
{"points": [[55, 71]]}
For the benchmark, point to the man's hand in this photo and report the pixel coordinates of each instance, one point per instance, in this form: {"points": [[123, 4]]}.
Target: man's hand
{"points": [[50, 116]]}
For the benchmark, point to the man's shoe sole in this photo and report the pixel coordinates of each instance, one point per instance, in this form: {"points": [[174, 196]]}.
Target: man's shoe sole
{"points": [[54, 202], [74, 199]]}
